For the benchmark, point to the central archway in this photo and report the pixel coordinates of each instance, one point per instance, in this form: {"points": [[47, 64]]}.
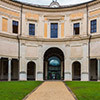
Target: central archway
{"points": [[54, 64]]}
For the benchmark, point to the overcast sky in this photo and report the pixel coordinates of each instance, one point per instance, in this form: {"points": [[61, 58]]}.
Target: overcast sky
{"points": [[47, 2]]}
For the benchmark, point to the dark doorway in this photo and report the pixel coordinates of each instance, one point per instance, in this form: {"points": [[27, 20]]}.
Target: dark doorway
{"points": [[3, 69], [93, 70], [76, 71], [31, 69], [14, 69], [54, 64]]}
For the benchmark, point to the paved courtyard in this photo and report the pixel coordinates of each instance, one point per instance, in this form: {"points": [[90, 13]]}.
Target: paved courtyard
{"points": [[51, 90]]}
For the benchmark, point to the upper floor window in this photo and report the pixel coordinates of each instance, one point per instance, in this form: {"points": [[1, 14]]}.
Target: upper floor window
{"points": [[54, 30], [31, 29], [93, 26], [76, 28], [15, 27]]}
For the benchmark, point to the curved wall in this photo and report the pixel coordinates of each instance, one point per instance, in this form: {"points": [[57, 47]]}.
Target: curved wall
{"points": [[27, 48]]}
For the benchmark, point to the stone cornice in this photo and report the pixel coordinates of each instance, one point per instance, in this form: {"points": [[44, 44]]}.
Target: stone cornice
{"points": [[48, 9], [32, 38], [8, 35]]}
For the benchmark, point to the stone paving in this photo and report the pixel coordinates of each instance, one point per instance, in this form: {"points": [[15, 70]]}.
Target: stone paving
{"points": [[51, 90]]}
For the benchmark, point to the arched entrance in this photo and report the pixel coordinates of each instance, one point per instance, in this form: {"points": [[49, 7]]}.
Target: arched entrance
{"points": [[31, 67], [54, 64], [76, 71]]}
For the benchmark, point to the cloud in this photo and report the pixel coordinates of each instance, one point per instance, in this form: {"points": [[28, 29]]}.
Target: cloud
{"points": [[47, 2]]}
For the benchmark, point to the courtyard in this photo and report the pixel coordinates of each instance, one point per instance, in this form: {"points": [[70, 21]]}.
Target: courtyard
{"points": [[19, 90], [16, 90], [85, 90]]}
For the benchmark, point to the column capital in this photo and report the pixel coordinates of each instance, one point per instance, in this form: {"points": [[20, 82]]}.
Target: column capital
{"points": [[9, 58]]}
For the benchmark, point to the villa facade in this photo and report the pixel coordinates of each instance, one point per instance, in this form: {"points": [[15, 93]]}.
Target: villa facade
{"points": [[49, 42]]}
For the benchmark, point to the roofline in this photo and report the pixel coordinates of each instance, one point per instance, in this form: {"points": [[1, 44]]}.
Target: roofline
{"points": [[45, 6]]}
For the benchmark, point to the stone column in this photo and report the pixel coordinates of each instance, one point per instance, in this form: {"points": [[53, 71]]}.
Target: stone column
{"points": [[98, 69], [46, 69], [61, 69], [9, 69]]}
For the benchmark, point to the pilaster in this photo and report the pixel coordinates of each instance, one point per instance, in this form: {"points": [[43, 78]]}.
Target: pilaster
{"points": [[85, 64]]}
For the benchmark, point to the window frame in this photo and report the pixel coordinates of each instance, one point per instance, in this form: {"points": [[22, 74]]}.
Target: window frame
{"points": [[34, 29], [27, 27], [17, 26], [94, 30], [74, 28], [56, 23]]}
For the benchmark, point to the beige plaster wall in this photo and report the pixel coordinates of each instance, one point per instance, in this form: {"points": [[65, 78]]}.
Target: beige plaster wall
{"points": [[76, 52], [8, 48], [31, 52], [95, 49]]}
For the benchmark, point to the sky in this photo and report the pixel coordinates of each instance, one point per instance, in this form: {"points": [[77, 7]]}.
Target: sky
{"points": [[61, 2]]}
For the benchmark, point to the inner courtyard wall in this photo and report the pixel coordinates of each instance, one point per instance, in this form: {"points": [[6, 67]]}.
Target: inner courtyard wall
{"points": [[28, 48]]}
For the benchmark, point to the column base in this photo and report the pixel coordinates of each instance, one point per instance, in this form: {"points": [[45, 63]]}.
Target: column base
{"points": [[39, 76], [22, 76], [84, 76], [68, 76]]}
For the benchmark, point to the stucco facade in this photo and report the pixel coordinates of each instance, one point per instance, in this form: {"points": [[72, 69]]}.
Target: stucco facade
{"points": [[25, 48]]}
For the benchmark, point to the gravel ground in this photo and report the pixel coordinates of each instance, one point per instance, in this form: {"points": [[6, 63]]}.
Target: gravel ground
{"points": [[51, 90]]}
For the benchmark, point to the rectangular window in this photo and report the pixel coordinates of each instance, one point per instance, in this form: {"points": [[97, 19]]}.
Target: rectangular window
{"points": [[15, 27], [54, 30], [76, 28], [94, 26], [31, 29]]}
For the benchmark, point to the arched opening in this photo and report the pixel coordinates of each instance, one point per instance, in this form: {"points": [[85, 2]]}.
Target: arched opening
{"points": [[76, 71], [31, 69], [54, 64], [93, 70]]}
